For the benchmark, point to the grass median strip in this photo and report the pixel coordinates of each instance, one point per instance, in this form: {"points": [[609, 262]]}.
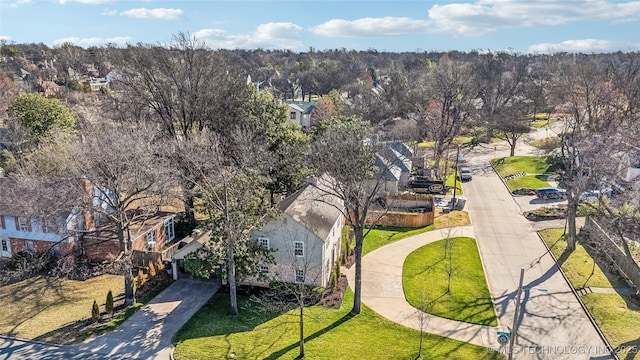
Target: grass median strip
{"points": [[448, 281], [330, 334]]}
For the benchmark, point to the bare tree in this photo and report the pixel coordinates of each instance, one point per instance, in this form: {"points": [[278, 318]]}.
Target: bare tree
{"points": [[235, 199], [450, 105], [127, 179], [345, 152]]}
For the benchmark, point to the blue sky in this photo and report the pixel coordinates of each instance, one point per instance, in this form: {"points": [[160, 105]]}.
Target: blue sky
{"points": [[526, 26]]}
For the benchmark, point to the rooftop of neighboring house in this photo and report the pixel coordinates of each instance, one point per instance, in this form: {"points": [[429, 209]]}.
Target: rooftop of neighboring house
{"points": [[139, 227], [402, 148], [386, 169], [38, 197], [304, 107], [314, 206], [396, 158]]}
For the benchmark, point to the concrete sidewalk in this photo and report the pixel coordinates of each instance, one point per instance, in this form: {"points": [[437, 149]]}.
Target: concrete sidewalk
{"points": [[382, 289], [145, 335]]}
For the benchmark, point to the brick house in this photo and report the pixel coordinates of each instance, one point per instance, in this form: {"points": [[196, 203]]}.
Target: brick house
{"points": [[26, 224]]}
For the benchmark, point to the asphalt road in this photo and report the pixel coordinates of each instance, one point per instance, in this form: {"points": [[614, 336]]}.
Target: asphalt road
{"points": [[553, 325]]}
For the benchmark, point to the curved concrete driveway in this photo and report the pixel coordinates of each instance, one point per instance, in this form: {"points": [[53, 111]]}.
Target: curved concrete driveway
{"points": [[382, 289], [145, 335]]}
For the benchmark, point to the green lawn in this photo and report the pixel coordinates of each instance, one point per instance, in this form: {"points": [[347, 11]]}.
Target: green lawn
{"points": [[528, 181], [618, 318], [450, 182], [38, 306], [517, 164], [579, 265], [330, 334], [382, 236], [425, 278]]}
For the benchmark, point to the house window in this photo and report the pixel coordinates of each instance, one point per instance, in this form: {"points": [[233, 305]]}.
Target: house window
{"points": [[150, 240], [24, 224], [5, 245], [169, 230], [292, 115], [29, 245], [299, 276], [264, 270], [298, 248], [264, 242]]}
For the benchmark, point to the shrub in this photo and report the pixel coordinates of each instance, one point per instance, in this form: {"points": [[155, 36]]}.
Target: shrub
{"points": [[152, 269], [108, 305], [95, 312], [159, 265], [141, 279]]}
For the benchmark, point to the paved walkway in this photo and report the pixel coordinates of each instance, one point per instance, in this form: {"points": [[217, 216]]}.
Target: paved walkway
{"points": [[382, 289], [145, 335]]}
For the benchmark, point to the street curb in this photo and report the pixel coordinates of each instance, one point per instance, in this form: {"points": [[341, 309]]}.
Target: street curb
{"points": [[505, 185], [584, 308], [31, 341]]}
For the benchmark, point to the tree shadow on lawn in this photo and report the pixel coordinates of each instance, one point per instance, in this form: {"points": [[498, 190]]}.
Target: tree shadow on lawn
{"points": [[476, 312], [281, 352]]}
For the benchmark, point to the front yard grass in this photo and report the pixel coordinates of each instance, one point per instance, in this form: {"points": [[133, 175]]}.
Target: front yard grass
{"points": [[618, 318], [425, 278], [381, 236], [528, 182], [329, 333], [617, 315], [579, 266], [521, 164], [40, 305]]}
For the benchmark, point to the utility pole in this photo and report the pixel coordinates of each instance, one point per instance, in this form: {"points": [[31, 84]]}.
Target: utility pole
{"points": [[514, 328], [455, 179]]}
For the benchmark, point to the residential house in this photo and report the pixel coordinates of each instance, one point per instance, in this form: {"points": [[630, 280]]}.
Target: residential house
{"points": [[399, 160], [306, 237], [26, 224], [387, 174], [24, 228], [48, 88], [300, 112]]}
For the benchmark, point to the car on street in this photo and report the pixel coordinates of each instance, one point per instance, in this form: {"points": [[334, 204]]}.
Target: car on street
{"points": [[464, 174], [551, 193], [595, 195]]}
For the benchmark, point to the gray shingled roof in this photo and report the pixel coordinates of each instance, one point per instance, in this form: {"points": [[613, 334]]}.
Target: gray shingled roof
{"points": [[313, 207]]}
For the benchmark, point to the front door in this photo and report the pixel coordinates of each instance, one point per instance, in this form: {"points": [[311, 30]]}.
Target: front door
{"points": [[5, 248]]}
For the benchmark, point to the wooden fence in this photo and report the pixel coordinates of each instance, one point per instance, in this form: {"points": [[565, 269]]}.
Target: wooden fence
{"points": [[399, 219], [142, 258], [601, 239]]}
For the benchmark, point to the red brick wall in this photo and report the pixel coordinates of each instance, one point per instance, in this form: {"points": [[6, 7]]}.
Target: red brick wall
{"points": [[100, 250], [139, 243], [18, 245]]}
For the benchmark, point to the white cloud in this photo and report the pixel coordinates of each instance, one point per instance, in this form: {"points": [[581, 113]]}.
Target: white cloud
{"points": [[5, 38], [160, 13], [583, 46], [371, 27], [13, 4], [90, 2], [109, 12], [486, 16], [274, 35], [93, 41]]}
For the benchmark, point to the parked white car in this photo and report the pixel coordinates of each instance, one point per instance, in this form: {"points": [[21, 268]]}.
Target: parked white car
{"points": [[595, 195]]}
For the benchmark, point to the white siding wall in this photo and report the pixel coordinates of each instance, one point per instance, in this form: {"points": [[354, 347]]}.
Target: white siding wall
{"points": [[282, 234], [35, 233]]}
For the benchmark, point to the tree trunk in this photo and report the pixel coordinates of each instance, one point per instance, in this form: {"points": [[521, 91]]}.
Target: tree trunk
{"points": [[189, 206], [231, 276], [512, 150], [572, 208], [129, 294], [301, 322], [357, 292]]}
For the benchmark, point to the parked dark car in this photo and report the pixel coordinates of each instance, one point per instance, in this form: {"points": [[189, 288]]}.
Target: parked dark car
{"points": [[551, 193]]}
